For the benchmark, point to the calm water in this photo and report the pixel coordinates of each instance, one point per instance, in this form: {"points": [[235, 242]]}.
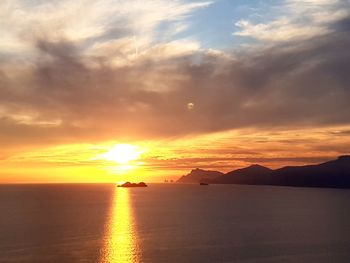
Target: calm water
{"points": [[173, 223]]}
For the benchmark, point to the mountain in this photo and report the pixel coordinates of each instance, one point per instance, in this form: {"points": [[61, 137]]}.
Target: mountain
{"points": [[335, 173], [197, 175], [254, 174]]}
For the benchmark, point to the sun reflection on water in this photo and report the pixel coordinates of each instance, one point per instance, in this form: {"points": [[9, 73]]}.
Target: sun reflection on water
{"points": [[121, 240]]}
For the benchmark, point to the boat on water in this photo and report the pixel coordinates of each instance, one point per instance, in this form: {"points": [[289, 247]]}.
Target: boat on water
{"points": [[203, 184], [128, 184]]}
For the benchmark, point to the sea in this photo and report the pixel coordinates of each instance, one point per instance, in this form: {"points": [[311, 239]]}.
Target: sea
{"points": [[168, 223]]}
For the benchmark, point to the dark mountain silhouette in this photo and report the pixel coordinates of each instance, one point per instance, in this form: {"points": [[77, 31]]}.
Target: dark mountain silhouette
{"points": [[196, 175], [248, 175], [335, 173]]}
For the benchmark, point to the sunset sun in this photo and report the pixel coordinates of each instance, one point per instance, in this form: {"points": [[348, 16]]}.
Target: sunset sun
{"points": [[123, 153]]}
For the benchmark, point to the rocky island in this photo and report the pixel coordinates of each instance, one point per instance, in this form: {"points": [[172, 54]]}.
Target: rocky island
{"points": [[128, 184]]}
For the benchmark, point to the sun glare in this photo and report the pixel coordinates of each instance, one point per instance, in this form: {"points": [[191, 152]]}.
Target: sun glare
{"points": [[123, 153]]}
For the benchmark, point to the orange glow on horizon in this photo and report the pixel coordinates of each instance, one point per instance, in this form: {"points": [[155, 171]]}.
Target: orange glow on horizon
{"points": [[157, 160]]}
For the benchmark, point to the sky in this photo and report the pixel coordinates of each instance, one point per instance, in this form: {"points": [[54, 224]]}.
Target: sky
{"points": [[112, 90]]}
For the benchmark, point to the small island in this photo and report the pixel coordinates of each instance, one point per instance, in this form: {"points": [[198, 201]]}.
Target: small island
{"points": [[128, 184]]}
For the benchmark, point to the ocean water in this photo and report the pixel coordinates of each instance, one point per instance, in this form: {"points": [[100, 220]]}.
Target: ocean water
{"points": [[173, 223]]}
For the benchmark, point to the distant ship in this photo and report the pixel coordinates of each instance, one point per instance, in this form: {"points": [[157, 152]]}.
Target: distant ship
{"points": [[128, 184], [203, 184]]}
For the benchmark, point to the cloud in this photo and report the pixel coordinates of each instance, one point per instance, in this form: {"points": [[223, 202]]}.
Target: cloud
{"points": [[91, 22], [295, 20], [279, 30], [76, 91]]}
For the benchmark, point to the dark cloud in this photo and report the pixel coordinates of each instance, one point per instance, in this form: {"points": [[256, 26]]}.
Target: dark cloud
{"points": [[342, 25], [302, 84]]}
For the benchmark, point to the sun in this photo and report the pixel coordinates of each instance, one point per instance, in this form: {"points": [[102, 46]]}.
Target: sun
{"points": [[123, 153]]}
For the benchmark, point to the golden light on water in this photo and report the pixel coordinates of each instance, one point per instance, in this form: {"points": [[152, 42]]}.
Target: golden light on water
{"points": [[121, 239]]}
